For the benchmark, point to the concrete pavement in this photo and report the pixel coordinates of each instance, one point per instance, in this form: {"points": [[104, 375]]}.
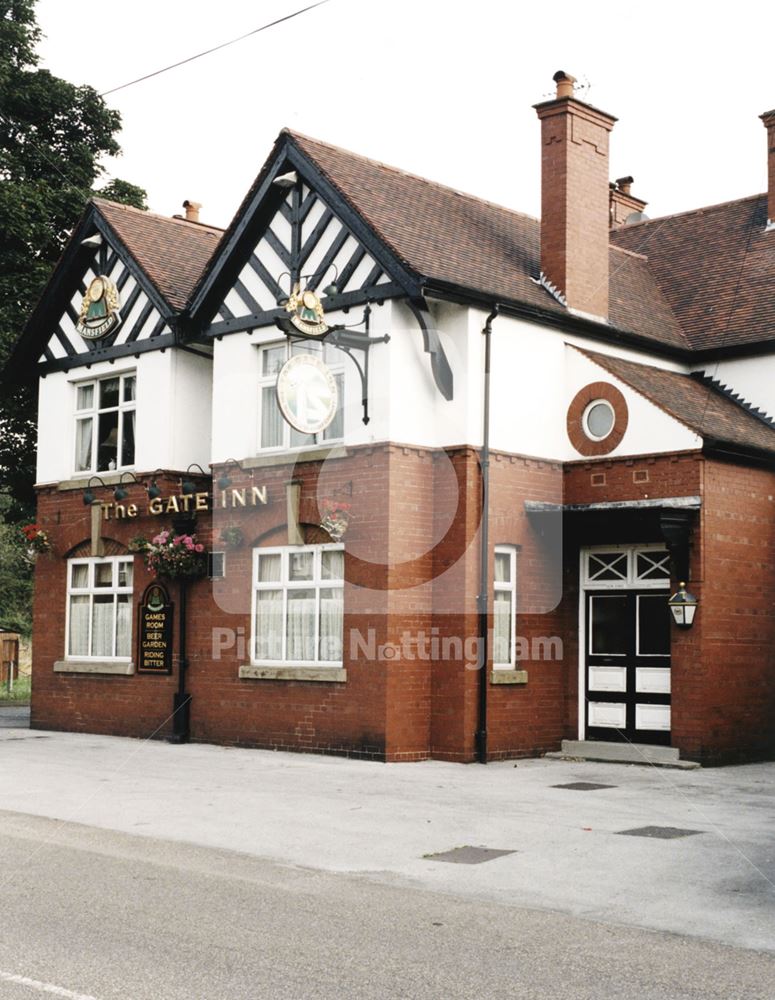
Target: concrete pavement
{"points": [[91, 914], [380, 822]]}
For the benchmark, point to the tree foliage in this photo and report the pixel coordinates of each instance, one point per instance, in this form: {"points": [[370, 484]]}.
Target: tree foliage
{"points": [[15, 575], [52, 136]]}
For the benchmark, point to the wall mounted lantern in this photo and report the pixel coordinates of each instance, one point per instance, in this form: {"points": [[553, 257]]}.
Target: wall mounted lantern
{"points": [[153, 489], [188, 485], [683, 605], [120, 492], [223, 480], [88, 493]]}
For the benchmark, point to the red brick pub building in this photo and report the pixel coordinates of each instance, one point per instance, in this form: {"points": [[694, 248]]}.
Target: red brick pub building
{"points": [[446, 464]]}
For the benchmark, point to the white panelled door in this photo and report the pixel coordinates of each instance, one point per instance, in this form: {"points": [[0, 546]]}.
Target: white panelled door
{"points": [[626, 633]]}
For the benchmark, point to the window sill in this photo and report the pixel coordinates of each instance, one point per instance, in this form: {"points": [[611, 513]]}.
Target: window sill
{"points": [[508, 677], [331, 675], [80, 479], [123, 667], [271, 458]]}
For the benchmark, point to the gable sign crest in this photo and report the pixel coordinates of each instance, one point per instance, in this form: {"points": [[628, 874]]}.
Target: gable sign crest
{"points": [[306, 312], [99, 314]]}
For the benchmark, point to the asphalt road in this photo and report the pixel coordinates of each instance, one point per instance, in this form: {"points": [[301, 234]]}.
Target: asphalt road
{"points": [[96, 914]]}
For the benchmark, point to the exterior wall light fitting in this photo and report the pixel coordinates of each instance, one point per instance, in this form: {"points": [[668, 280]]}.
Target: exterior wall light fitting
{"points": [[683, 606], [188, 485], [88, 493]]}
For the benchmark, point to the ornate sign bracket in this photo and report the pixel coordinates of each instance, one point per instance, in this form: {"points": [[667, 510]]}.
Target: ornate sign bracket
{"points": [[356, 346]]}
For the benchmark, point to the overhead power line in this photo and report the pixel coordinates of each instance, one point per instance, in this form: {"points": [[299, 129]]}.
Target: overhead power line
{"points": [[216, 48]]}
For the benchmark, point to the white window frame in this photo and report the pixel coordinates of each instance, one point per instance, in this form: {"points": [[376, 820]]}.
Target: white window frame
{"points": [[91, 591], [335, 363], [630, 579], [510, 588], [585, 420], [285, 585], [93, 413]]}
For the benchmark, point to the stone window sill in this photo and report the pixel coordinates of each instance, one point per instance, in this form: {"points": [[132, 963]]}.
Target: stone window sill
{"points": [[508, 677], [331, 675], [123, 667], [290, 457]]}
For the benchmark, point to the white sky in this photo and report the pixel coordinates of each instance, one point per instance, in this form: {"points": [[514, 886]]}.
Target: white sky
{"points": [[442, 89]]}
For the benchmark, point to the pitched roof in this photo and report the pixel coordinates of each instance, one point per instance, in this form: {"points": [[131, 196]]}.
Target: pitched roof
{"points": [[699, 406], [451, 237], [716, 268], [173, 253]]}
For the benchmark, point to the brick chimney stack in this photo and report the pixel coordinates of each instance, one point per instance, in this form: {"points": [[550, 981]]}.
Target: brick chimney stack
{"points": [[769, 123], [623, 202], [192, 210], [575, 208]]}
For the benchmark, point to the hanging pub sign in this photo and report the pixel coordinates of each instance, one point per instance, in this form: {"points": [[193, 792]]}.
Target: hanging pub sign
{"points": [[154, 644], [99, 310], [307, 394]]}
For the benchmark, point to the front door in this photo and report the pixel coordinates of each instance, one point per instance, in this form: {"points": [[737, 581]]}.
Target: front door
{"points": [[628, 666]]}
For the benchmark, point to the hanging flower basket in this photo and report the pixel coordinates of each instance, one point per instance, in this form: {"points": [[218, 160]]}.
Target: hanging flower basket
{"points": [[232, 537], [172, 557], [37, 541], [335, 517]]}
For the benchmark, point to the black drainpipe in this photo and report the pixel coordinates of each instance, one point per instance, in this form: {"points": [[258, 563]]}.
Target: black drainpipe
{"points": [[484, 551], [181, 702]]}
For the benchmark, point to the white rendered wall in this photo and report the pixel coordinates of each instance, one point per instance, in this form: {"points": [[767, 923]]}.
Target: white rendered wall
{"points": [[751, 378], [173, 413], [534, 377], [529, 387], [191, 409]]}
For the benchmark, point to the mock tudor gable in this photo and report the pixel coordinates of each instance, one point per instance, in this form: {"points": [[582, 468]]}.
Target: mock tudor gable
{"points": [[151, 262], [304, 241]]}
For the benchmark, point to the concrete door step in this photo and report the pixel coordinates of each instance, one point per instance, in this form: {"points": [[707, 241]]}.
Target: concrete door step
{"points": [[622, 753]]}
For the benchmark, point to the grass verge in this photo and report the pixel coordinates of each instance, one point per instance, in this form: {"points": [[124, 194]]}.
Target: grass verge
{"points": [[20, 692]]}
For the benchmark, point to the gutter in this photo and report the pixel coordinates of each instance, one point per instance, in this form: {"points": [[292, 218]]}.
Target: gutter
{"points": [[561, 321]]}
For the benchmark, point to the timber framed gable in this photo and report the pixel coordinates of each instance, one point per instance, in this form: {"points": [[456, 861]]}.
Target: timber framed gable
{"points": [[51, 340], [291, 229]]}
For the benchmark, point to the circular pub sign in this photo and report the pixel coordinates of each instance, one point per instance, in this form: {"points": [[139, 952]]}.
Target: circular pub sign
{"points": [[307, 394]]}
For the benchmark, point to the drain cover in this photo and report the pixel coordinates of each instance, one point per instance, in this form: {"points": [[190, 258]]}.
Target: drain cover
{"points": [[467, 855], [584, 786], [659, 832]]}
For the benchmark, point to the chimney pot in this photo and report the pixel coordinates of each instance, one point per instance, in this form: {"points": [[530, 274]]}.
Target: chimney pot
{"points": [[564, 83], [623, 203], [192, 210]]}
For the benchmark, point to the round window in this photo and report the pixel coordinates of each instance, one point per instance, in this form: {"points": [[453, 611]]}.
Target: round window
{"points": [[598, 420]]}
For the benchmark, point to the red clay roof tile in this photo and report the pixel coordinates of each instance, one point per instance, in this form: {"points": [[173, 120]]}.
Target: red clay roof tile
{"points": [[172, 252]]}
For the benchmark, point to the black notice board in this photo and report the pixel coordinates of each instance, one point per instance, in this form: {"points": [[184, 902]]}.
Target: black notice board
{"points": [[154, 642]]}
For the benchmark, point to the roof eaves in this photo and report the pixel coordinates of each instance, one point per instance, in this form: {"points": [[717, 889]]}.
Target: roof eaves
{"points": [[555, 316]]}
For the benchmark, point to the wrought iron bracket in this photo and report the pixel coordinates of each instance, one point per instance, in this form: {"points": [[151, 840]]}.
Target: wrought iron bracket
{"points": [[348, 341]]}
